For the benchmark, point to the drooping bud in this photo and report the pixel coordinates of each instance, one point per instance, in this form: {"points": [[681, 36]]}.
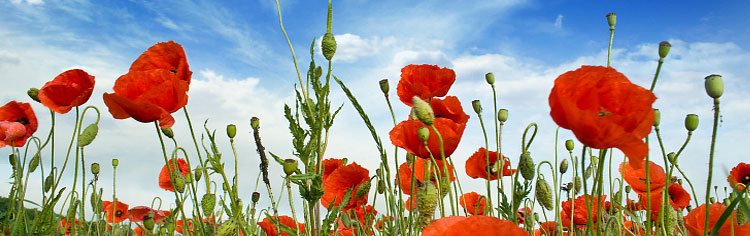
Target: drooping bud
{"points": [[617, 197], [526, 166], [231, 131], [477, 106], [564, 166], [691, 122], [381, 186], [542, 194], [318, 72], [168, 132], [255, 197], [577, 184], [88, 135], [290, 166], [179, 183], [384, 87], [12, 160], [657, 117], [198, 173], [255, 123], [115, 162], [502, 115], [714, 86], [423, 111], [227, 228], [329, 46], [34, 94], [664, 47], [423, 133], [427, 200], [490, 78], [208, 202], [628, 189], [611, 20], [569, 145], [95, 168], [587, 172], [148, 221], [34, 162], [672, 158], [363, 190], [48, 182]]}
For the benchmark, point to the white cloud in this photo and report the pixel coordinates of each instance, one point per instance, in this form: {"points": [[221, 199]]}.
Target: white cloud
{"points": [[558, 22], [351, 47], [28, 2], [168, 23]]}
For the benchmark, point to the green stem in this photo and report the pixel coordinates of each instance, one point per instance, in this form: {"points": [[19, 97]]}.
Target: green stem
{"points": [[487, 164], [711, 162]]}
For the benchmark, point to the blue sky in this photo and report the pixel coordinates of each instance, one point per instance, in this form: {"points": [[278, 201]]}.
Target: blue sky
{"points": [[242, 65]]}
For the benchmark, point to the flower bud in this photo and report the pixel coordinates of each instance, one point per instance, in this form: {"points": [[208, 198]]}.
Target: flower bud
{"points": [[543, 195], [714, 86], [329, 46], [672, 158], [381, 186], [227, 228], [502, 115], [564, 166], [384, 86], [255, 197], [12, 160], [346, 220], [423, 133], [290, 166], [587, 172], [34, 162], [477, 106], [148, 221], [712, 200], [617, 197], [95, 168], [423, 111], [657, 117], [691, 122], [168, 132], [189, 177], [490, 78], [255, 123], [231, 131], [577, 184], [179, 183], [427, 201], [48, 182], [33, 94], [88, 135], [318, 72], [664, 47], [208, 202], [526, 166], [679, 181], [611, 20], [363, 190], [628, 189], [115, 162], [198, 173], [569, 145]]}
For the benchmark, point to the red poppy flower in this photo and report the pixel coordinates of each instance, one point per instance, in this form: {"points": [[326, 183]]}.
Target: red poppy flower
{"points": [[404, 135], [10, 132], [164, 56], [411, 202], [580, 213], [679, 199], [424, 81], [437, 168], [604, 110], [473, 203], [740, 174], [329, 165], [472, 226], [476, 165], [70, 89], [365, 215], [269, 227], [165, 182], [347, 177], [68, 226], [115, 213], [548, 228], [522, 213], [22, 113], [138, 231], [137, 214], [636, 178], [449, 108], [695, 219]]}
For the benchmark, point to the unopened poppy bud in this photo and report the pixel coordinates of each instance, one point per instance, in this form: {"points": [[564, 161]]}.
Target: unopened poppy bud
{"points": [[225, 186], [115, 162], [490, 78], [672, 158], [148, 221], [88, 135], [427, 201], [231, 131], [179, 183], [227, 228], [587, 172], [679, 181], [611, 20], [344, 161], [577, 184], [318, 72], [657, 117], [168, 132], [34, 162], [569, 145], [363, 189], [189, 177], [423, 111], [12, 160], [477, 106], [628, 189], [618, 197], [714, 86], [329, 46], [564, 166], [208, 202], [198, 173], [526, 166], [95, 168], [423, 133], [255, 197], [290, 166], [502, 115], [48, 182], [664, 47], [712, 200], [688, 208], [255, 123], [33, 94], [381, 186], [542, 194], [384, 87], [691, 122], [346, 220]]}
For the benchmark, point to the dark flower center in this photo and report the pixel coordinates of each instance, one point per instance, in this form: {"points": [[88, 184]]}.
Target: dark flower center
{"points": [[118, 213], [23, 121], [746, 180], [173, 70]]}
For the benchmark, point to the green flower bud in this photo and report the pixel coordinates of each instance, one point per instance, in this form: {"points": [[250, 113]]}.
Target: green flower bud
{"points": [[714, 86], [526, 166], [691, 122], [115, 162], [569, 145], [329, 46], [179, 182], [490, 78], [502, 115], [577, 183], [427, 201], [542, 194], [168, 132], [679, 181], [189, 177], [381, 186], [34, 162], [423, 133], [290, 166], [318, 72], [384, 86], [12, 160], [477, 106], [611, 20], [564, 166], [712, 200], [672, 158], [95, 202], [228, 228], [95, 168], [148, 221], [346, 220], [88, 135], [363, 190], [587, 172], [617, 198], [255, 197], [628, 189], [231, 131], [208, 202], [34, 94], [255, 123], [664, 47], [198, 173], [48, 182], [657, 117], [423, 111]]}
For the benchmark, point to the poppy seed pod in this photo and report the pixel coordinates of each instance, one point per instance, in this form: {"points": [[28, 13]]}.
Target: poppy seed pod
{"points": [[255, 123], [208, 202], [714, 86], [231, 131], [33, 94], [657, 117], [34, 163], [611, 20], [168, 132], [115, 162], [423, 111], [423, 133], [569, 145], [95, 168], [384, 87], [88, 135], [48, 182], [664, 47], [502, 115], [526, 166], [477, 105], [329, 46], [179, 183], [290, 166], [542, 194], [255, 197], [564, 166], [691, 122], [490, 78], [148, 221]]}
